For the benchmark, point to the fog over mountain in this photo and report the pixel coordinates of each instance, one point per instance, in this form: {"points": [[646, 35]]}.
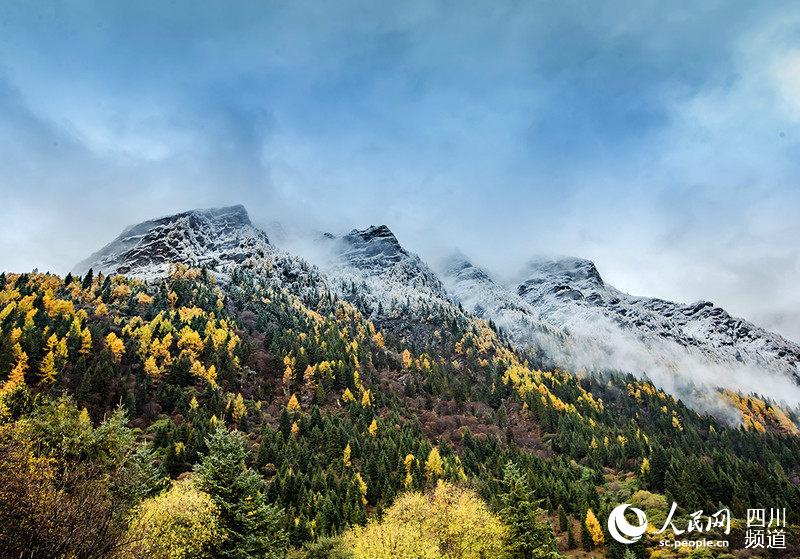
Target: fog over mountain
{"points": [[425, 278], [559, 309], [480, 130]]}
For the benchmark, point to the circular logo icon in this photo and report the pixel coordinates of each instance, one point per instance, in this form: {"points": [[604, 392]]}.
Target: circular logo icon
{"points": [[622, 530]]}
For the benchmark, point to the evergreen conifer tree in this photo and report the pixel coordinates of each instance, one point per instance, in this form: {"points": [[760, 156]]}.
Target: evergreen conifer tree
{"points": [[250, 525], [531, 534]]}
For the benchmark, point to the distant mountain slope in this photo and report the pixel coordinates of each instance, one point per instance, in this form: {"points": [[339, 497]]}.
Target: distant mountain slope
{"points": [[374, 258], [475, 289], [218, 239], [221, 240], [598, 326], [559, 308], [571, 292], [394, 287]]}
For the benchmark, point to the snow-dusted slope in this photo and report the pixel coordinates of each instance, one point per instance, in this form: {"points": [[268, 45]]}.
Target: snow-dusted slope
{"points": [[221, 240], [371, 264], [570, 292], [563, 306], [390, 285], [478, 293], [217, 239], [560, 308]]}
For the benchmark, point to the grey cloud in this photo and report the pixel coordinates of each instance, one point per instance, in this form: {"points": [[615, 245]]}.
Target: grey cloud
{"points": [[644, 136]]}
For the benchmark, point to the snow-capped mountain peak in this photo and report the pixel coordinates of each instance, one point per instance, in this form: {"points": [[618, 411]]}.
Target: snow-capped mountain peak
{"points": [[218, 239], [387, 273], [567, 271], [599, 326], [373, 249], [560, 308]]}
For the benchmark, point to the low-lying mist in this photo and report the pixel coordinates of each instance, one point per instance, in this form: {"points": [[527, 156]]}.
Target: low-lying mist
{"points": [[599, 345]]}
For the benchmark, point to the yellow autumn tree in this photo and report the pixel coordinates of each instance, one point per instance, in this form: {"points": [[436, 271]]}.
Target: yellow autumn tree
{"points": [[115, 346], [16, 378], [362, 488], [406, 359], [190, 341], [151, 367], [208, 373], [181, 523], [451, 522], [433, 465], [594, 528], [294, 404], [47, 369], [346, 455], [366, 398], [239, 409], [408, 461], [373, 428], [86, 342], [121, 291]]}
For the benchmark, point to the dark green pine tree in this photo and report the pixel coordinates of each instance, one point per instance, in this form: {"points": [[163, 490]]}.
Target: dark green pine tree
{"points": [[87, 279], [586, 536], [571, 543], [251, 526], [562, 519], [531, 534]]}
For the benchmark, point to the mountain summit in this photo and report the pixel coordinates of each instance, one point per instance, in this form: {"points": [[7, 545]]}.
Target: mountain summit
{"points": [[372, 249], [558, 308], [599, 326], [218, 239], [371, 268]]}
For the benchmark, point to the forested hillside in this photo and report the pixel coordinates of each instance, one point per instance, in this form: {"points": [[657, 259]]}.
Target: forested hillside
{"points": [[190, 417]]}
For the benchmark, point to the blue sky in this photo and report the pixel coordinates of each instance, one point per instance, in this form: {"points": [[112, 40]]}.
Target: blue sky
{"points": [[659, 139]]}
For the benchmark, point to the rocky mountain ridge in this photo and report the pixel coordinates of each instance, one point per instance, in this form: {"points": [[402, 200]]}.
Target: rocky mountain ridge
{"points": [[560, 308]]}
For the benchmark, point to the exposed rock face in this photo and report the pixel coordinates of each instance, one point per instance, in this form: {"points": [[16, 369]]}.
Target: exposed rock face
{"points": [[375, 254], [593, 319], [560, 308], [217, 239], [391, 285]]}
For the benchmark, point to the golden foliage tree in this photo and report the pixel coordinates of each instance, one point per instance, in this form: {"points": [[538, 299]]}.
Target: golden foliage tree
{"points": [[433, 465], [115, 346], [346, 455], [366, 398], [594, 528], [406, 355], [48, 367], [449, 523], [86, 342], [408, 462], [181, 523], [294, 404], [239, 409]]}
